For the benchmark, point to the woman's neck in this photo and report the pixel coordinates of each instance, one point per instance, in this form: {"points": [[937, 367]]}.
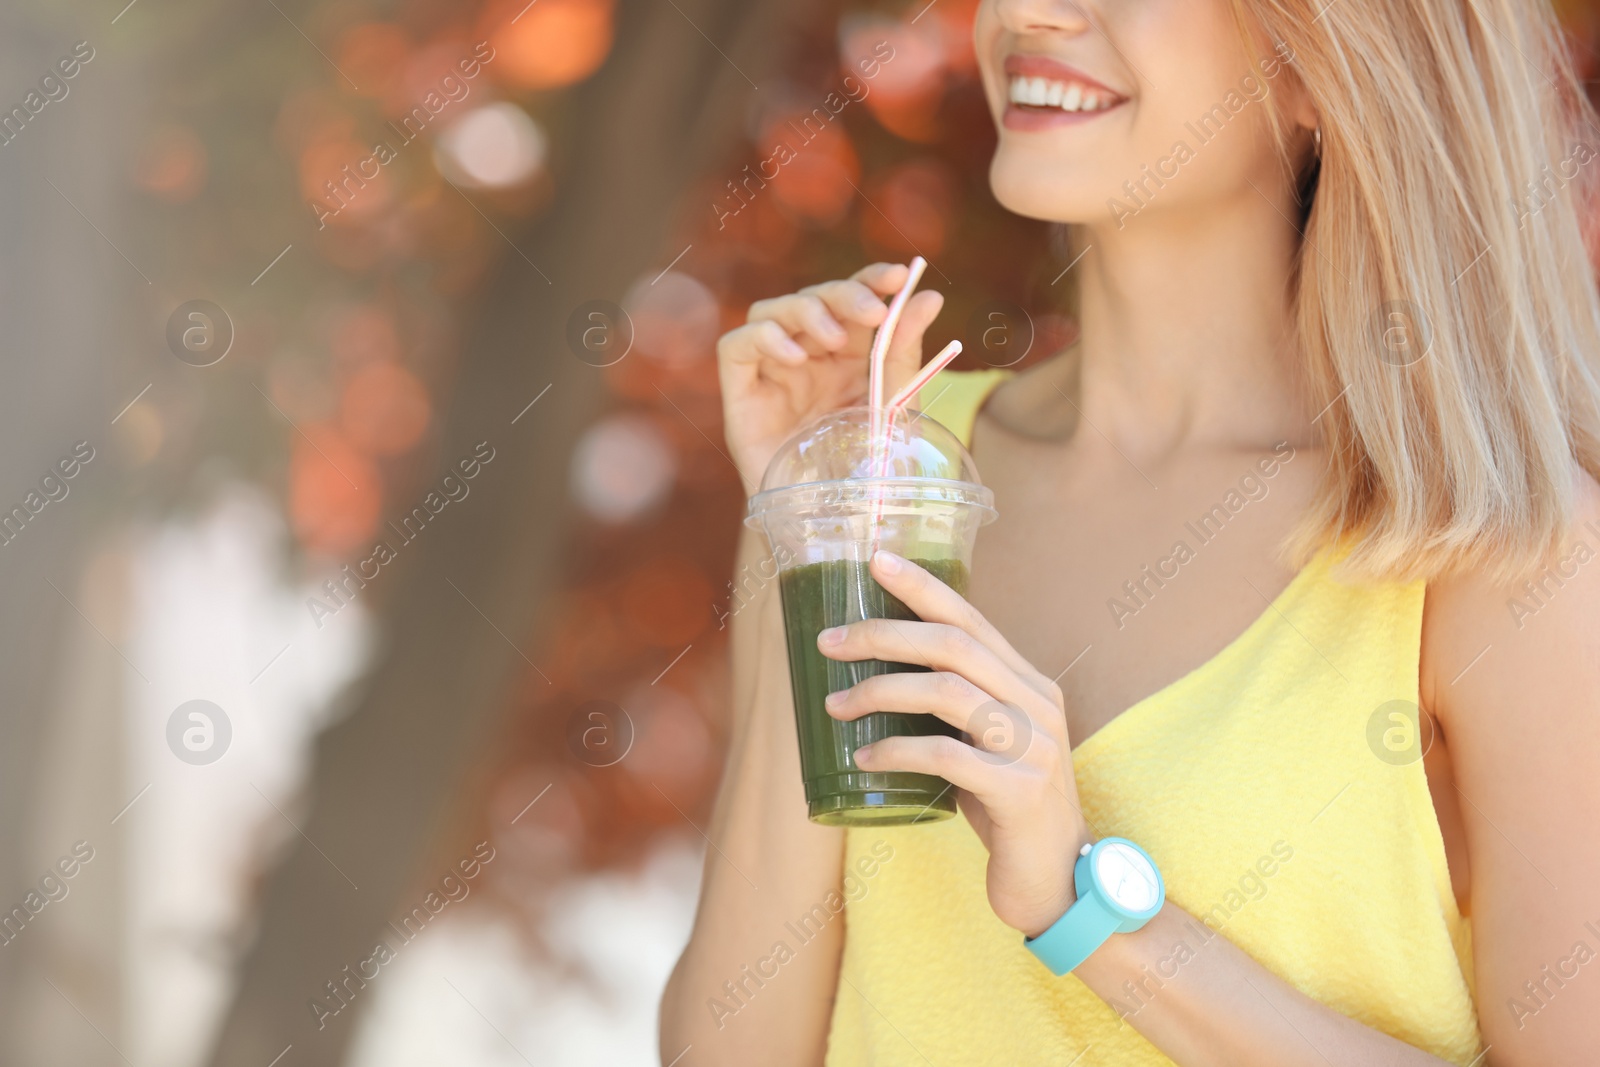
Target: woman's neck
{"points": [[1185, 328]]}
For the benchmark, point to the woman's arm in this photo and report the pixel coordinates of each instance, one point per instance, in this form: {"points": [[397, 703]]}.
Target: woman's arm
{"points": [[1210, 1004], [1513, 677], [735, 997], [748, 988]]}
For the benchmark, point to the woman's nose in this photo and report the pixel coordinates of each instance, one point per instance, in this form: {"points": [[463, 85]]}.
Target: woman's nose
{"points": [[1066, 17]]}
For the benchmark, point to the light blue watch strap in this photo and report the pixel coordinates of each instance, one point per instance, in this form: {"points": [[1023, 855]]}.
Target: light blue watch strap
{"points": [[1074, 937], [1100, 911]]}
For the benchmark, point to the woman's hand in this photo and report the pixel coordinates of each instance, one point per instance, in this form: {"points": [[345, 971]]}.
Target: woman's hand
{"points": [[805, 354], [1015, 777]]}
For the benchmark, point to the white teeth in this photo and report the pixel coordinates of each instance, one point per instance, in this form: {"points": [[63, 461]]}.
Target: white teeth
{"points": [[1068, 96]]}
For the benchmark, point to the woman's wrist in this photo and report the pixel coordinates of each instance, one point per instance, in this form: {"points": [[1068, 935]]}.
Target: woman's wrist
{"points": [[1067, 895]]}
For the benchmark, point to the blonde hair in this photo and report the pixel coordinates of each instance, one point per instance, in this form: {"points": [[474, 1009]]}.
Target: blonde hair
{"points": [[1456, 162]]}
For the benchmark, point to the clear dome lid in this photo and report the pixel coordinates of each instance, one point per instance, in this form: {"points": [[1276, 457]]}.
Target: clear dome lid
{"points": [[832, 462]]}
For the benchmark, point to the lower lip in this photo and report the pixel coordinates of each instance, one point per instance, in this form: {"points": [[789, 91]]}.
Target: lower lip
{"points": [[1048, 118]]}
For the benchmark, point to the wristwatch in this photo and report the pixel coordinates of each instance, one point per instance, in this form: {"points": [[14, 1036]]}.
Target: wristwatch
{"points": [[1119, 890]]}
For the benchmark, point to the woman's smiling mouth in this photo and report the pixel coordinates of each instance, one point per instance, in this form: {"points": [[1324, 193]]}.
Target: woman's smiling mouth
{"points": [[1043, 92]]}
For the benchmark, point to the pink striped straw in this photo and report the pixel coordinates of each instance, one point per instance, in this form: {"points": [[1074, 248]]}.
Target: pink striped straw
{"points": [[924, 376], [880, 349], [895, 405]]}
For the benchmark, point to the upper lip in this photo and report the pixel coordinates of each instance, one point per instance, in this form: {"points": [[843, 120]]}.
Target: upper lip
{"points": [[1028, 65]]}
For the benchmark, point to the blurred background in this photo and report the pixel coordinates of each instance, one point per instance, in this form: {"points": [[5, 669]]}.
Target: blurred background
{"points": [[366, 531]]}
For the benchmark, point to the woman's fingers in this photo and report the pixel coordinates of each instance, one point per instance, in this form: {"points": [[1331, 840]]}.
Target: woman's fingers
{"points": [[947, 757], [763, 339], [934, 601], [1003, 731], [927, 644], [884, 279], [806, 318], [850, 302], [825, 313], [835, 318], [944, 694], [741, 352], [1001, 786]]}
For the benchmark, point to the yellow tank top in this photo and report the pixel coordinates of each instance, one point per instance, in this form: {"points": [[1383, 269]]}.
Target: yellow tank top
{"points": [[1254, 782]]}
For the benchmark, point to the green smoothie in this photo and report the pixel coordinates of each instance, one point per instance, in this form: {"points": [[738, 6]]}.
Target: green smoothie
{"points": [[815, 597]]}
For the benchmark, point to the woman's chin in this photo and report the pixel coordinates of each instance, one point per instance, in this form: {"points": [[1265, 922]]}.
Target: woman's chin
{"points": [[1034, 197]]}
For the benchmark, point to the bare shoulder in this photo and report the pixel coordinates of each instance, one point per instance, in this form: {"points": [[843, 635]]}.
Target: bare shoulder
{"points": [[1489, 641]]}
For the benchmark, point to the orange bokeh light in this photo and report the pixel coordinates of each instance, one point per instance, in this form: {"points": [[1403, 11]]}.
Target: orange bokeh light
{"points": [[334, 492], [172, 165], [362, 335], [955, 19], [760, 229], [914, 202], [667, 601], [583, 647], [384, 409], [330, 176], [373, 54], [551, 44], [911, 118], [908, 91], [818, 182]]}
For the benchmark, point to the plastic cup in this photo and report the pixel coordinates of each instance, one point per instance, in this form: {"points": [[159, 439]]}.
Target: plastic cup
{"points": [[828, 500]]}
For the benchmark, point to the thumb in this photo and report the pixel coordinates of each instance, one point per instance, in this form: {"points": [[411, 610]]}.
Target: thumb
{"points": [[905, 354]]}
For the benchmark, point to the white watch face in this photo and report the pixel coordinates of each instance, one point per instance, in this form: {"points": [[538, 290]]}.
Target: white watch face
{"points": [[1127, 876]]}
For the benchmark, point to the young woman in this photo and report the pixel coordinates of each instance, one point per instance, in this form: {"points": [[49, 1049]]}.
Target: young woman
{"points": [[1295, 576]]}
